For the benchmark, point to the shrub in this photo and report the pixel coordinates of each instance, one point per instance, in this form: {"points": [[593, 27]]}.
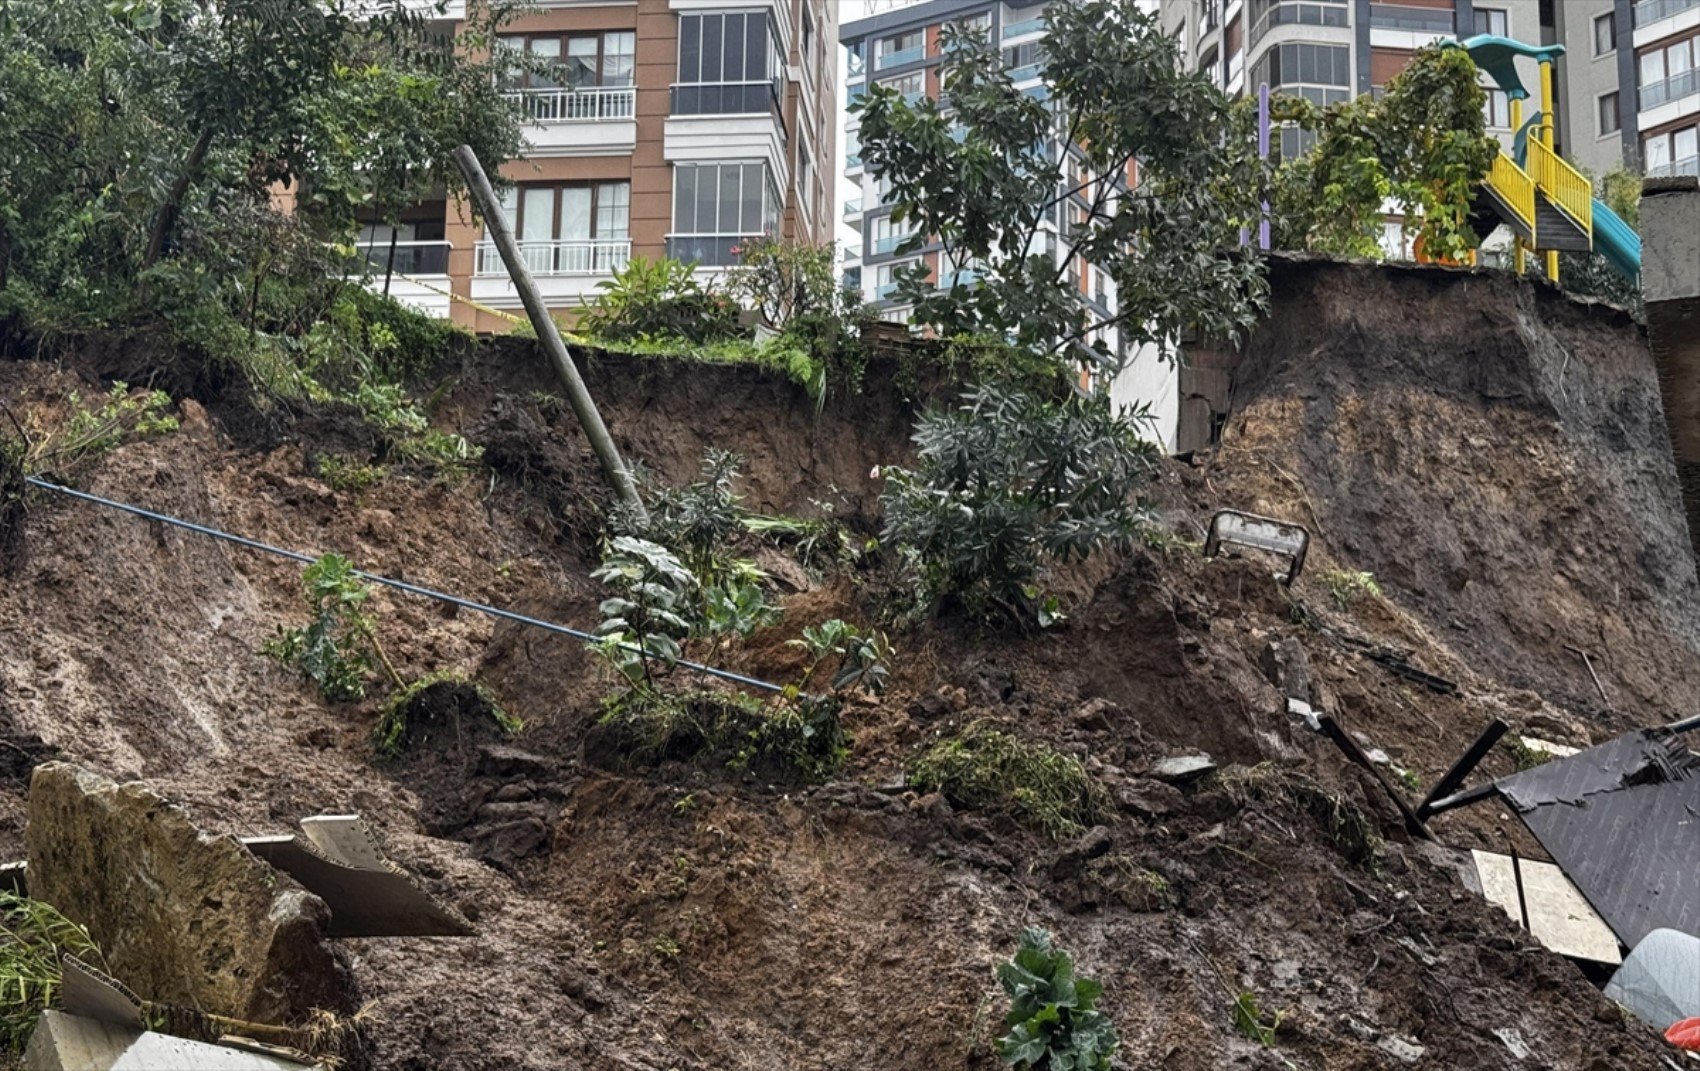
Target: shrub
{"points": [[785, 281], [433, 699], [1007, 483], [991, 770], [1347, 586], [1053, 1024], [336, 651], [662, 299], [801, 736], [860, 659], [649, 614]]}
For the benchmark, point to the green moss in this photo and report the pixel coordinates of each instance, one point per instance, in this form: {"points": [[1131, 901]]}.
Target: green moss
{"points": [[343, 473], [804, 735], [990, 770]]}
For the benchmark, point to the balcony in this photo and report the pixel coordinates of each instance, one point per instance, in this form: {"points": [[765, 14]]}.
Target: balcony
{"points": [[707, 250], [887, 60], [852, 208], [1675, 87], [411, 258], [889, 244], [1024, 74], [726, 98], [1413, 19], [1648, 12], [882, 293], [1688, 165], [961, 277], [1024, 27], [587, 104], [566, 256]]}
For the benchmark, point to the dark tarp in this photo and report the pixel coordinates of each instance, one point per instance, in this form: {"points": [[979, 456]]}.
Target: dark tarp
{"points": [[1623, 822]]}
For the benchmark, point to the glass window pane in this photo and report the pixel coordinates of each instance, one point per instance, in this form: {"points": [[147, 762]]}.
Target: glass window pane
{"points": [[539, 215], [580, 68], [613, 210], [618, 55], [734, 69], [728, 205], [708, 189], [1679, 59], [1685, 143], [546, 48], [510, 208], [1653, 67], [1658, 151], [711, 48], [756, 45], [684, 199], [690, 48], [575, 212]]}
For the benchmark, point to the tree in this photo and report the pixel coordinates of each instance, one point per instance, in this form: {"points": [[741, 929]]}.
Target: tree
{"points": [[145, 140], [1148, 172]]}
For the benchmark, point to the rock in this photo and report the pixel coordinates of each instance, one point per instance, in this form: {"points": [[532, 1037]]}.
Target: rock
{"points": [[783, 569], [1513, 1041], [1287, 666], [1088, 846], [933, 806], [182, 916], [1400, 1048], [1181, 769], [1096, 715], [505, 763], [505, 845], [1148, 799], [514, 792]]}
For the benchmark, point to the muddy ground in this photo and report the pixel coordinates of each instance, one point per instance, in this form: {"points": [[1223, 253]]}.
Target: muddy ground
{"points": [[1490, 450]]}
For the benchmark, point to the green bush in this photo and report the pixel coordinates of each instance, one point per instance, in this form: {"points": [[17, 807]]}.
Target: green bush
{"points": [[861, 659], [803, 736], [1053, 1023], [990, 770], [661, 298], [1007, 483], [434, 698]]}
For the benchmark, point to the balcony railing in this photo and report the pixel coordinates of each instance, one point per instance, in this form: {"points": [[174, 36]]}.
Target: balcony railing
{"points": [[1675, 87], [960, 277], [1288, 13], [1648, 12], [852, 208], [1688, 165], [900, 57], [1418, 19], [411, 258], [726, 98], [1024, 74], [587, 104], [566, 256], [1025, 26], [707, 250], [890, 242], [883, 292]]}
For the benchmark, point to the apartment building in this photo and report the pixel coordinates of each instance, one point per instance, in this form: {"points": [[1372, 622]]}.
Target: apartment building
{"points": [[673, 127], [1665, 46], [903, 48]]}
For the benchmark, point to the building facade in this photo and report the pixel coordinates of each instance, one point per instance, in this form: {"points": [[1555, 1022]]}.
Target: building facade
{"points": [[1663, 45], [673, 128], [903, 48]]}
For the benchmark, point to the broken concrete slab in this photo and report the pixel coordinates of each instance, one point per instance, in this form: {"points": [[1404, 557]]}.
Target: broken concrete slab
{"points": [[1559, 916], [65, 1042], [337, 860], [183, 917], [89, 993], [1547, 747], [1180, 769]]}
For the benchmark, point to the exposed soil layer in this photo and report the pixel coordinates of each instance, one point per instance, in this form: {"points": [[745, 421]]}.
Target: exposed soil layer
{"points": [[1489, 450]]}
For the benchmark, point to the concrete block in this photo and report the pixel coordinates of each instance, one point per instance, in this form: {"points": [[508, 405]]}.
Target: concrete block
{"points": [[64, 1042]]}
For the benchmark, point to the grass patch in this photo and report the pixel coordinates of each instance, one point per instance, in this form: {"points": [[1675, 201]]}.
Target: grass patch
{"points": [[433, 701], [802, 737], [1524, 757], [987, 769], [343, 473], [33, 934]]}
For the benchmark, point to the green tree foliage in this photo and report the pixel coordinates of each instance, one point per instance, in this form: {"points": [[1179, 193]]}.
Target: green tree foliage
{"points": [[145, 141], [1053, 1022], [663, 298], [981, 175], [1006, 483], [1423, 143]]}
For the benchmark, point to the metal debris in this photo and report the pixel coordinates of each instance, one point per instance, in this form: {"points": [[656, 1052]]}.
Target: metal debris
{"points": [[1290, 541]]}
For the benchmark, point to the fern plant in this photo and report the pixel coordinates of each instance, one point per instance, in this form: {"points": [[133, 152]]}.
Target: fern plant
{"points": [[1053, 1025]]}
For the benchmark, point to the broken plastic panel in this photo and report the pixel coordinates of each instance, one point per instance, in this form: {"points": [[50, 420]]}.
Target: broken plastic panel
{"points": [[1290, 542], [1559, 916], [1660, 980]]}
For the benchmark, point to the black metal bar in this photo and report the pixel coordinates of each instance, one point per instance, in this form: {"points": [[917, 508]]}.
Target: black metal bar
{"points": [[1468, 761], [1517, 876], [1464, 798], [1686, 725], [1343, 740]]}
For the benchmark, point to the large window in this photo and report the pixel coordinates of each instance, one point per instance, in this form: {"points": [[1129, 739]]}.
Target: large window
{"points": [[1269, 13], [566, 230], [587, 76], [1669, 73], [717, 205], [1293, 65], [1497, 109], [1675, 152], [900, 48], [728, 64], [913, 85]]}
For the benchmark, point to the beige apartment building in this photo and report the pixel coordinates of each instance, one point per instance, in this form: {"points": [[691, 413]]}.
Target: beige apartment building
{"points": [[674, 128]]}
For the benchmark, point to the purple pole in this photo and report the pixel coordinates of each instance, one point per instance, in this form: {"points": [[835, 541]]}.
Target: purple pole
{"points": [[1263, 154]]}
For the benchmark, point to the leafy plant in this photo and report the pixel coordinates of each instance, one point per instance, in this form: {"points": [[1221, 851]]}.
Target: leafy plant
{"points": [[861, 658], [1053, 1021], [784, 281], [982, 175], [799, 736], [33, 937], [337, 650], [991, 770], [1252, 1023], [345, 473], [1007, 483], [644, 622], [1347, 586], [94, 429], [658, 298]]}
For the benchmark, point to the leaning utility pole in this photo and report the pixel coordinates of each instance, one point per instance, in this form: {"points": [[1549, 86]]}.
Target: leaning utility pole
{"points": [[549, 336]]}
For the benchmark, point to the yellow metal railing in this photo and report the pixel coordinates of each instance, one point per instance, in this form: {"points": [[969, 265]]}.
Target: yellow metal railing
{"points": [[1515, 188], [1564, 185]]}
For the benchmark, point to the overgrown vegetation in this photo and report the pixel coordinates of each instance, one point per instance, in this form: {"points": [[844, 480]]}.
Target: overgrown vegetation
{"points": [[338, 649], [786, 737], [1343, 822], [1347, 586], [982, 176], [33, 937], [1006, 484], [438, 697], [1053, 1021], [988, 769], [659, 299], [1423, 144]]}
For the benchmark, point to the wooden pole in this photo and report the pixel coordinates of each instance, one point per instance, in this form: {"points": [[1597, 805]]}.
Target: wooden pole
{"points": [[584, 407]]}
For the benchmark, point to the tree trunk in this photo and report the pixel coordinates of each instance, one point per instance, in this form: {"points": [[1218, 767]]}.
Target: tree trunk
{"points": [[168, 212]]}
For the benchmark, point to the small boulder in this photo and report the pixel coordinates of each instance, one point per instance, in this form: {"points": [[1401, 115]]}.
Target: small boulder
{"points": [[182, 916], [1183, 769], [1088, 846], [1148, 799], [1287, 666]]}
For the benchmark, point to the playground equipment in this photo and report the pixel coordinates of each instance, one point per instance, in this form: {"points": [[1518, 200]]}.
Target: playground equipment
{"points": [[1547, 203]]}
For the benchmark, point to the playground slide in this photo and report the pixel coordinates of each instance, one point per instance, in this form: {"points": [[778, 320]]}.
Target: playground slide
{"points": [[1616, 241]]}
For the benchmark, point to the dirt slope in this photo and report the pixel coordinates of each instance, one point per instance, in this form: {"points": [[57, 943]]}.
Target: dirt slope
{"points": [[1489, 452]]}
